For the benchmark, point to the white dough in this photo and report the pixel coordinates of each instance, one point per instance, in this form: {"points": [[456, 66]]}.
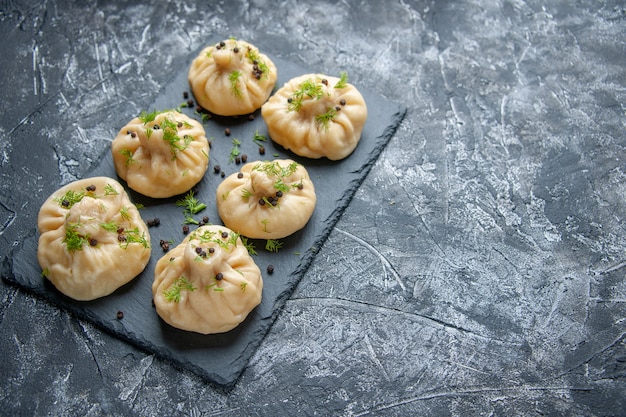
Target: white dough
{"points": [[207, 284], [244, 199], [295, 117], [92, 238], [231, 78], [161, 154]]}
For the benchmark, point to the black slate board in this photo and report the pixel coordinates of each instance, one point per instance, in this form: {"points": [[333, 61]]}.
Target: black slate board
{"points": [[219, 358]]}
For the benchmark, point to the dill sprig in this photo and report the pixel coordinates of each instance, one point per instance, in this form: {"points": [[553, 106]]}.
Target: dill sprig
{"points": [[273, 245], [70, 198], [234, 151], [191, 203], [233, 77], [309, 89], [248, 245], [129, 156], [134, 236], [180, 284], [258, 138], [324, 119], [110, 190], [73, 240], [343, 80], [146, 117]]}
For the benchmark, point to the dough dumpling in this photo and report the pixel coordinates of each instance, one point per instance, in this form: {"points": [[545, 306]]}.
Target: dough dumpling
{"points": [[267, 199], [161, 154], [231, 78], [92, 238], [207, 284], [316, 116]]}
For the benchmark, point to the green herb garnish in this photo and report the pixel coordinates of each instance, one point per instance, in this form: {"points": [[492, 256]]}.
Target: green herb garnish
{"points": [[258, 138], [179, 284], [234, 151], [324, 119], [191, 203], [146, 117], [343, 80], [248, 245], [73, 240], [309, 89], [233, 77], [70, 198], [134, 236], [110, 190], [273, 245], [129, 156]]}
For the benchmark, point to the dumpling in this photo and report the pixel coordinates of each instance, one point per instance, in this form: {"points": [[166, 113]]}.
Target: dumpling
{"points": [[92, 238], [207, 284], [231, 78], [316, 116], [161, 154], [267, 199]]}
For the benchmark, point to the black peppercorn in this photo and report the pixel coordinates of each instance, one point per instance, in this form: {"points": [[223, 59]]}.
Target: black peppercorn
{"points": [[240, 175], [120, 315], [90, 188], [219, 276], [185, 229], [270, 269]]}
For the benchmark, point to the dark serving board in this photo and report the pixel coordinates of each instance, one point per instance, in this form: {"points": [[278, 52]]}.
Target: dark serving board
{"points": [[219, 358]]}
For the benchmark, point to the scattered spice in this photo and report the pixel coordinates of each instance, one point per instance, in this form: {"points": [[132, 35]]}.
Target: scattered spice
{"points": [[270, 269], [153, 222], [120, 315]]}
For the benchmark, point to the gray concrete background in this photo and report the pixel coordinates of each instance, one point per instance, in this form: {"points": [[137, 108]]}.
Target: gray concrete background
{"points": [[479, 269]]}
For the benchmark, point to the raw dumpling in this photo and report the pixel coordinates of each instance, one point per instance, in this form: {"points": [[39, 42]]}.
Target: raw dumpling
{"points": [[316, 116], [231, 78], [207, 284], [161, 154], [267, 200], [92, 238]]}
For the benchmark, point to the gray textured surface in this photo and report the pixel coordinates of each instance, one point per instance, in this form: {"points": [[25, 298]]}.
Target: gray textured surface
{"points": [[479, 269]]}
